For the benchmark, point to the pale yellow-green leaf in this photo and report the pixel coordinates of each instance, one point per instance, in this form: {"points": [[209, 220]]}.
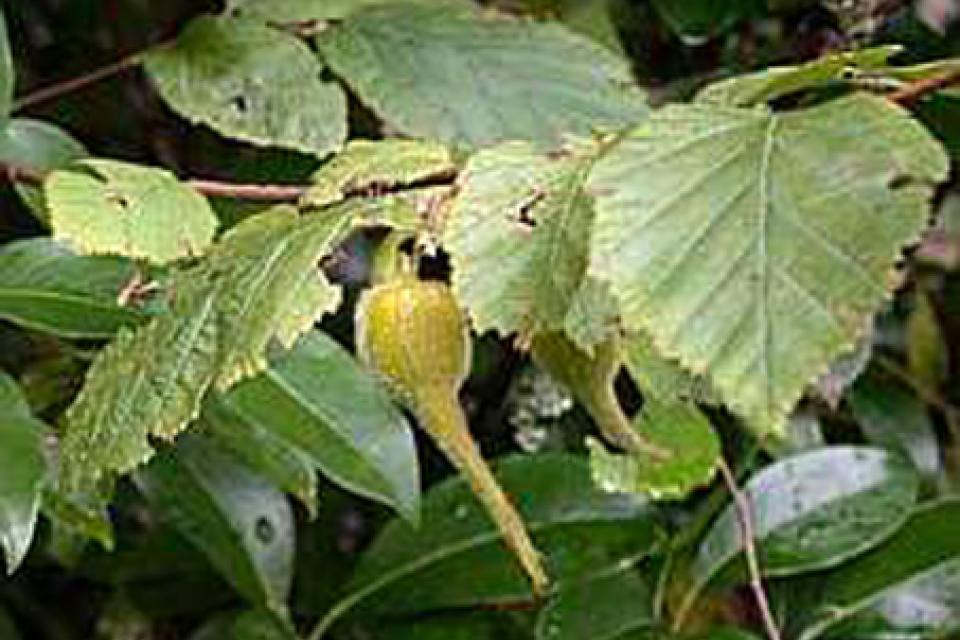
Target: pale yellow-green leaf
{"points": [[366, 166], [519, 234], [112, 207], [660, 378], [755, 247], [251, 82], [261, 282]]}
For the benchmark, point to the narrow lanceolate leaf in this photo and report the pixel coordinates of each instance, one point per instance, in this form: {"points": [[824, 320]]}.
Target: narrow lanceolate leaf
{"points": [[43, 286], [251, 82], [679, 430], [519, 236], [111, 207], [224, 313], [317, 404], [719, 231], [286, 11], [812, 511], [477, 80], [762, 86], [24, 473], [365, 167], [242, 524], [913, 580], [41, 146], [456, 558]]}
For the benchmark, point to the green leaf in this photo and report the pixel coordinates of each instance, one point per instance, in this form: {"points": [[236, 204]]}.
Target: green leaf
{"points": [[519, 236], [453, 625], [112, 207], [318, 405], [456, 558], [286, 11], [718, 231], [249, 625], [366, 166], [660, 378], [45, 287], [8, 74], [24, 473], [8, 629], [259, 284], [679, 429], [775, 82], [478, 80], [926, 347], [927, 606], [894, 418], [603, 607], [812, 511], [921, 558], [698, 20], [242, 524], [42, 147], [251, 82]]}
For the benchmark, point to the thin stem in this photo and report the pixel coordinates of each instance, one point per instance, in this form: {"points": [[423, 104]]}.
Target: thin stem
{"points": [[255, 192], [745, 519], [911, 92], [70, 85]]}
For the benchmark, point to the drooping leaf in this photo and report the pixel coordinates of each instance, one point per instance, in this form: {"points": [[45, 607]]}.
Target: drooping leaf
{"points": [[8, 74], [519, 237], [251, 82], [253, 288], [681, 430], [365, 166], [910, 570], [892, 417], [477, 80], [317, 404], [603, 607], [774, 82], [42, 147], [812, 511], [456, 558], [24, 473], [45, 287], [111, 207], [242, 524], [718, 231], [293, 11]]}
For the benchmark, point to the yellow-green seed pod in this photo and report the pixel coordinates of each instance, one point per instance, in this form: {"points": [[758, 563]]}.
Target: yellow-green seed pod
{"points": [[413, 333]]}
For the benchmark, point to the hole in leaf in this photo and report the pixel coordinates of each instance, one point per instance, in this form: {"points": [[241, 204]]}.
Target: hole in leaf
{"points": [[264, 530], [900, 181], [239, 103]]}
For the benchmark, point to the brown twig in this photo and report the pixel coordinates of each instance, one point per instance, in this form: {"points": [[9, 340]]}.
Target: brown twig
{"points": [[744, 513], [256, 192], [911, 92], [60, 89]]}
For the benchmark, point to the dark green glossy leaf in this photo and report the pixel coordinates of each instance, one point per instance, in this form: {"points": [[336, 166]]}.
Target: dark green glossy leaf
{"points": [[892, 417], [466, 625], [242, 524], [23, 475], [40, 146], [912, 578], [603, 607], [317, 405], [697, 20], [249, 625], [456, 558], [812, 511], [44, 286], [253, 83], [477, 80], [286, 11]]}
